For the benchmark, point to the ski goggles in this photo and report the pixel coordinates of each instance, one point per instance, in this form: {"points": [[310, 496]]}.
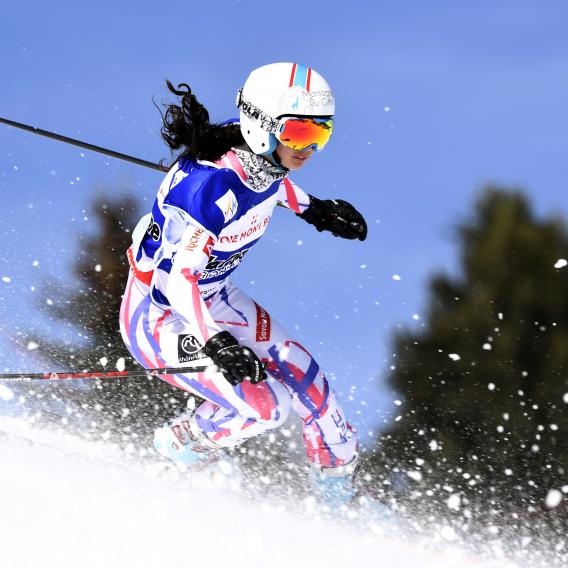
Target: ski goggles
{"points": [[300, 133]]}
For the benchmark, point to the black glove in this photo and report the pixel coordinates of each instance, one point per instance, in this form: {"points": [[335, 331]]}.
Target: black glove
{"points": [[234, 360], [336, 216]]}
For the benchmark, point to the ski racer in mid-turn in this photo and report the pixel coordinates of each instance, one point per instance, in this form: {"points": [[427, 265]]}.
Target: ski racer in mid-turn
{"points": [[180, 306]]}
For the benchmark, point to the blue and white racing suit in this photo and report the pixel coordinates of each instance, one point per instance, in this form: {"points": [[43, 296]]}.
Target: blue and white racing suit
{"points": [[206, 217]]}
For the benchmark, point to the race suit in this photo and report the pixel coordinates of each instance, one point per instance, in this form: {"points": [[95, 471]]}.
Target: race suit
{"points": [[206, 217]]}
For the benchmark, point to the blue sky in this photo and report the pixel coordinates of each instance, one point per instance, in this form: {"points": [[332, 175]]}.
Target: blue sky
{"points": [[434, 100]]}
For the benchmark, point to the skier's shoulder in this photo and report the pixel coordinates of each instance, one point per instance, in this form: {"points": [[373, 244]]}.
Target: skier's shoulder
{"points": [[191, 179]]}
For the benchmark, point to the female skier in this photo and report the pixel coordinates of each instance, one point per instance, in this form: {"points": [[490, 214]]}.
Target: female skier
{"points": [[180, 306]]}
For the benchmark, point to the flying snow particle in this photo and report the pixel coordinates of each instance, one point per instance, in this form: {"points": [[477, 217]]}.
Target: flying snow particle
{"points": [[5, 393], [6, 279], [433, 445], [98, 267], [415, 317], [121, 364], [454, 502], [31, 345], [565, 398], [491, 386], [395, 277], [283, 353], [416, 475], [35, 263], [103, 361], [553, 498], [225, 467], [561, 263], [448, 533], [493, 529], [487, 346], [300, 243], [454, 356], [387, 108]]}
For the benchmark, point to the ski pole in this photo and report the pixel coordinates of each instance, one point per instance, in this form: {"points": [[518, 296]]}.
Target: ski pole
{"points": [[53, 376], [92, 147], [86, 145]]}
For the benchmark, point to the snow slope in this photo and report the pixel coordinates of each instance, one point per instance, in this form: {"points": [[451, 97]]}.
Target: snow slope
{"points": [[66, 502]]}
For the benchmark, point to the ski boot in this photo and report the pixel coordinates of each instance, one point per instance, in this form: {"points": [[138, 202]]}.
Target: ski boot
{"points": [[182, 442], [334, 486]]}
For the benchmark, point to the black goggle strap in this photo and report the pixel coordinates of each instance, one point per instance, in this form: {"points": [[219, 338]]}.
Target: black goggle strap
{"points": [[267, 123]]}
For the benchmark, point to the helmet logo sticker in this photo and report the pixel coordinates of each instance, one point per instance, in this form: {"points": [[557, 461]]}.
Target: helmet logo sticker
{"points": [[303, 102]]}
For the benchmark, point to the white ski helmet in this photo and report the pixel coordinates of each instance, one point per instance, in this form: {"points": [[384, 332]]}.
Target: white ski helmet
{"points": [[276, 90]]}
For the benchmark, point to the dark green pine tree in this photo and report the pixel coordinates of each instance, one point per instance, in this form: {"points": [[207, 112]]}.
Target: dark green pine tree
{"points": [[484, 382], [129, 408]]}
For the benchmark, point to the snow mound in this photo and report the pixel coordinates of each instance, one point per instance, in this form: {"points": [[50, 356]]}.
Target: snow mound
{"points": [[67, 502]]}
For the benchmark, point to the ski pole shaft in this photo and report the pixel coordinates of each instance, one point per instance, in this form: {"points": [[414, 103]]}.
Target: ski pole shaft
{"points": [[86, 145], [20, 377], [92, 147]]}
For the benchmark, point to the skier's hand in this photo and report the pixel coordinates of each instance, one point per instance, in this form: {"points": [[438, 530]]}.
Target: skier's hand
{"points": [[336, 216], [234, 360]]}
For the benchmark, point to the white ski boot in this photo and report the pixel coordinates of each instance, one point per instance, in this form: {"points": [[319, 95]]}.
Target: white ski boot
{"points": [[182, 442], [334, 486]]}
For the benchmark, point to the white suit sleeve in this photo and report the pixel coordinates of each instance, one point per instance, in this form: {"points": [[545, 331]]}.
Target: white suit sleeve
{"points": [[182, 290], [292, 196]]}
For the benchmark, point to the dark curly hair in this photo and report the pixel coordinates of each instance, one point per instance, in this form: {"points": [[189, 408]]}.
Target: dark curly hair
{"points": [[187, 126]]}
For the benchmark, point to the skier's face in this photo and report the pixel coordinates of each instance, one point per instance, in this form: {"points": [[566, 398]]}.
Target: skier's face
{"points": [[293, 159]]}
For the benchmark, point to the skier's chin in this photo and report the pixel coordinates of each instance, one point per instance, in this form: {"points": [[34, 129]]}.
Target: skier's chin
{"points": [[292, 159], [295, 163]]}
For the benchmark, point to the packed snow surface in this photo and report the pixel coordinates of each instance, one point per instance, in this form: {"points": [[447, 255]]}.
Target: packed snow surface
{"points": [[67, 502]]}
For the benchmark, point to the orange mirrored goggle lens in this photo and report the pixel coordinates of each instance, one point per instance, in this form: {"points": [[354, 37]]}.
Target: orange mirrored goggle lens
{"points": [[301, 133]]}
